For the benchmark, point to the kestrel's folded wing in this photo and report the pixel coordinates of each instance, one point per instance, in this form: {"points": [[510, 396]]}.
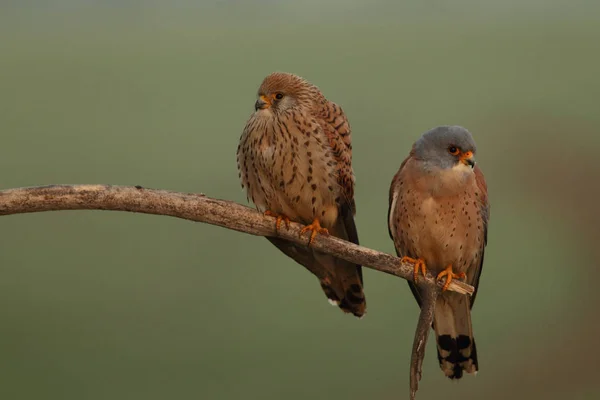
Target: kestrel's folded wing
{"points": [[391, 210], [337, 130], [337, 135], [336, 127], [484, 213], [401, 249]]}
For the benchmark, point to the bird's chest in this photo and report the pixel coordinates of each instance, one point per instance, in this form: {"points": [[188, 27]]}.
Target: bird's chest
{"points": [[441, 229], [297, 175], [264, 150]]}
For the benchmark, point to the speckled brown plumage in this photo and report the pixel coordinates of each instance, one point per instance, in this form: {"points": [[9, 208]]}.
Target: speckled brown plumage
{"points": [[294, 160], [439, 213]]}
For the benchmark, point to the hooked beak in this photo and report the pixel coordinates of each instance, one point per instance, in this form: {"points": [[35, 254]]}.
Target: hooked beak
{"points": [[467, 159], [262, 103]]}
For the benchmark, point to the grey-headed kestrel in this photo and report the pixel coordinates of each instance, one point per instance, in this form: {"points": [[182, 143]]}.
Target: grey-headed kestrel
{"points": [[438, 219], [294, 160]]}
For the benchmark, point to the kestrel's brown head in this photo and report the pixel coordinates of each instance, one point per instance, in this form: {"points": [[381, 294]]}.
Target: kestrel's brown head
{"points": [[281, 91]]}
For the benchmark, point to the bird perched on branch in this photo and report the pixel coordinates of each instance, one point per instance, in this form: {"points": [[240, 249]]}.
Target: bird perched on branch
{"points": [[438, 219], [295, 162]]}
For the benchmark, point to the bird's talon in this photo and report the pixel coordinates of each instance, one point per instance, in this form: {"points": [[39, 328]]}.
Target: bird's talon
{"points": [[285, 219], [315, 228], [279, 218], [450, 275], [420, 266]]}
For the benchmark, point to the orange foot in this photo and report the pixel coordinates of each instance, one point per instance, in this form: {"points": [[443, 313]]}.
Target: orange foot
{"points": [[280, 218], [419, 266], [449, 276], [315, 227]]}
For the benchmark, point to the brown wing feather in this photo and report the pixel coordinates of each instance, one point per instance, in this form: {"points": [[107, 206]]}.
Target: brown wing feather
{"points": [[337, 129], [485, 216], [391, 194], [347, 215], [403, 251]]}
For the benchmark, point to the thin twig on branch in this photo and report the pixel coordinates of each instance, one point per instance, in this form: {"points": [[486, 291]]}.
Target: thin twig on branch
{"points": [[198, 207], [430, 294]]}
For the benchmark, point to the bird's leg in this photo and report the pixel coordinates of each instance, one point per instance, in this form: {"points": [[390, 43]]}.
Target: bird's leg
{"points": [[419, 266], [315, 228], [280, 218], [449, 274]]}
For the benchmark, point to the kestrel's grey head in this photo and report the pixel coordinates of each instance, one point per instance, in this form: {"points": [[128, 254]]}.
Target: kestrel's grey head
{"points": [[446, 147], [281, 91]]}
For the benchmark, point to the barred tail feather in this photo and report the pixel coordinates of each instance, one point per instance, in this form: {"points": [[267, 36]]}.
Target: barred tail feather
{"points": [[456, 348], [344, 287]]}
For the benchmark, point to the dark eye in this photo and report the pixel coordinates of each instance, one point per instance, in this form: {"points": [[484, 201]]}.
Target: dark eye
{"points": [[279, 96], [453, 150]]}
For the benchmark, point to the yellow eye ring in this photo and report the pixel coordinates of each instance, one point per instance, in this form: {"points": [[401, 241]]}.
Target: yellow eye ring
{"points": [[453, 150]]}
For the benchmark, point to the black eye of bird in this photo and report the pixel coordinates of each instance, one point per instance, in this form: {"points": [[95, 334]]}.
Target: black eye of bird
{"points": [[279, 96], [453, 150]]}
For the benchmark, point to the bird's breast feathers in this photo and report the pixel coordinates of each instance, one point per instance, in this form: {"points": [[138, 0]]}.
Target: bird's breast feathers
{"points": [[438, 214], [446, 182], [297, 173]]}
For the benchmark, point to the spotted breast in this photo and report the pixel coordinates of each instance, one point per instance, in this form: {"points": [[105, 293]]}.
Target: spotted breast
{"points": [[438, 219], [294, 160]]}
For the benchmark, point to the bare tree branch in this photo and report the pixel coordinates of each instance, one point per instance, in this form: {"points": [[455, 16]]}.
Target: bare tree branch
{"points": [[198, 207], [227, 214]]}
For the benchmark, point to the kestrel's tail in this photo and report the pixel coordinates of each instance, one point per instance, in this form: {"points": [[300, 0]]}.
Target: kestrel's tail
{"points": [[454, 333], [341, 281], [343, 285], [344, 288]]}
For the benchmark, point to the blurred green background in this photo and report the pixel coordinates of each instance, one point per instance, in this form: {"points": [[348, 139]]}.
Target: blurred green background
{"points": [[100, 305]]}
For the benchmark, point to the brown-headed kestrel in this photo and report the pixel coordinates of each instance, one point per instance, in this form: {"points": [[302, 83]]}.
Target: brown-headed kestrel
{"points": [[438, 219], [294, 159]]}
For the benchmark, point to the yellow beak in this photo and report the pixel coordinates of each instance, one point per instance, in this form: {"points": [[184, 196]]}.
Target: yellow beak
{"points": [[467, 159], [262, 103]]}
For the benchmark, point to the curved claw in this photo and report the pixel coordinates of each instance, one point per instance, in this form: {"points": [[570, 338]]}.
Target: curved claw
{"points": [[315, 228], [419, 266], [280, 218], [450, 275]]}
